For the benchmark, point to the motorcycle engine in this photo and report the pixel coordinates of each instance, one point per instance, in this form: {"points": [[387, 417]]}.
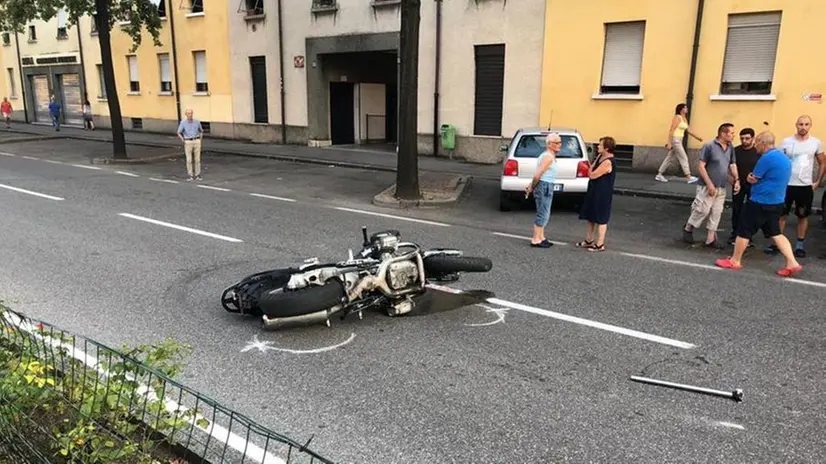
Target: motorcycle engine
{"points": [[402, 274]]}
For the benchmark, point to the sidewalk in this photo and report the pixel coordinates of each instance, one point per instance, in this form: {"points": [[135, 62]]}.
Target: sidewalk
{"points": [[627, 183]]}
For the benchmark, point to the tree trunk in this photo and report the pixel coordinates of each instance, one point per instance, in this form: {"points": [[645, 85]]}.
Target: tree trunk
{"points": [[104, 36], [407, 169]]}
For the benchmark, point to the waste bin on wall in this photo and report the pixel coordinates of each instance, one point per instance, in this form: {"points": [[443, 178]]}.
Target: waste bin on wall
{"points": [[448, 137]]}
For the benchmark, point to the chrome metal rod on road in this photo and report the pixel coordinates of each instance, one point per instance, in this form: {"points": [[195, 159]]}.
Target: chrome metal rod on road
{"points": [[736, 395]]}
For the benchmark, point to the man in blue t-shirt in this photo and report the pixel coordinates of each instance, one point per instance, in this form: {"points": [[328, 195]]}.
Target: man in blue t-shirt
{"points": [[764, 207]]}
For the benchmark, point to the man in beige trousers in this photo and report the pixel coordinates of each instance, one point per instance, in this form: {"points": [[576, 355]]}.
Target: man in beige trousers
{"points": [[190, 132], [717, 162]]}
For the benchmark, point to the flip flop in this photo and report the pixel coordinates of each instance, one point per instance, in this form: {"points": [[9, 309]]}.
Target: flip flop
{"points": [[789, 271], [727, 263]]}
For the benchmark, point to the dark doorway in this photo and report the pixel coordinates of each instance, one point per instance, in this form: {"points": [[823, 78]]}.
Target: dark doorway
{"points": [[258, 67], [391, 100], [342, 122]]}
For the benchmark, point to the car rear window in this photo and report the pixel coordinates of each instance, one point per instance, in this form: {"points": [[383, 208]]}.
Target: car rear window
{"points": [[531, 146]]}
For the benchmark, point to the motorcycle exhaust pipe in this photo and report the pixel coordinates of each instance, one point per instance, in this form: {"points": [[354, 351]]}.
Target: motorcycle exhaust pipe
{"points": [[274, 323]]}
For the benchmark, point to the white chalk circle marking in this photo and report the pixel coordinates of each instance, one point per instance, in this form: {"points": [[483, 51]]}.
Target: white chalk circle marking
{"points": [[264, 346], [499, 312]]}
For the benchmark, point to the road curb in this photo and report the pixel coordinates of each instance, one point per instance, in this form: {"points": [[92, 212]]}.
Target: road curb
{"points": [[387, 200]]}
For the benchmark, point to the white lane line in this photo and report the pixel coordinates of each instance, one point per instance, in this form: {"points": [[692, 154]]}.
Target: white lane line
{"points": [[272, 197], [85, 167], [175, 226], [53, 161], [671, 261], [805, 282], [30, 157], [220, 189], [400, 218], [196, 420], [730, 425], [502, 234], [168, 181], [594, 324], [7, 154], [42, 195], [124, 173]]}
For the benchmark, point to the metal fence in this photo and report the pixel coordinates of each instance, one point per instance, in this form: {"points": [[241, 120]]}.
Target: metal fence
{"points": [[65, 398]]}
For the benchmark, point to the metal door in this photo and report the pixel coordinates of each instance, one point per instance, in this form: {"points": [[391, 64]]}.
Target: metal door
{"points": [[72, 101], [258, 66], [40, 97]]}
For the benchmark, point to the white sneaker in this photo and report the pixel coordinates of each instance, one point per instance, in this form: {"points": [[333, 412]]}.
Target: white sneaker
{"points": [[693, 179], [660, 178]]}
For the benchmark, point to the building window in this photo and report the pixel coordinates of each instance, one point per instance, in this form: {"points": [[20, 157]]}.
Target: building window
{"points": [[197, 6], [166, 75], [161, 8], [62, 28], [94, 23], [6, 38], [32, 34], [622, 59], [101, 83], [253, 7], [490, 85], [201, 84], [751, 50], [12, 83], [134, 79]]}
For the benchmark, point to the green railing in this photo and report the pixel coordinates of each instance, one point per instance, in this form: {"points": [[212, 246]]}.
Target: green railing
{"points": [[68, 399]]}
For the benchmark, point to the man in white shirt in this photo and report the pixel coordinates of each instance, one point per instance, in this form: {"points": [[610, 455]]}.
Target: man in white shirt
{"points": [[803, 150]]}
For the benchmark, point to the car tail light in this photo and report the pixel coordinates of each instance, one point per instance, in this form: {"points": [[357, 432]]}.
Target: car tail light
{"points": [[582, 169], [511, 168]]}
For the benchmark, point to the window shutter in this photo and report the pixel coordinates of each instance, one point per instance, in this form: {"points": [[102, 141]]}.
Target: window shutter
{"points": [[200, 67], [622, 63], [166, 76], [61, 18], [133, 68], [751, 47]]}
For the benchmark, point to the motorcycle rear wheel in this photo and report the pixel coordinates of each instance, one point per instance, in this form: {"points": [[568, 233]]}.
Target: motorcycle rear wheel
{"points": [[439, 265], [290, 303]]}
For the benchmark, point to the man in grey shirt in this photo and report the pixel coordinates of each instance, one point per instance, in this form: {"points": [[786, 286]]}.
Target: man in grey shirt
{"points": [[717, 161], [190, 132]]}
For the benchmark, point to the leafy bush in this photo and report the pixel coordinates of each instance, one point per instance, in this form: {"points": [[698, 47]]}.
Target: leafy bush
{"points": [[65, 407]]}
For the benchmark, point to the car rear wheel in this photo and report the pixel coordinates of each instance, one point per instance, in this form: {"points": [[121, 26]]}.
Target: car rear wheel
{"points": [[505, 202]]}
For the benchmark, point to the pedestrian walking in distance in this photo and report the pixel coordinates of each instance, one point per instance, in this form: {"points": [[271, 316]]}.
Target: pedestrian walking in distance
{"points": [[803, 150], [762, 209], [542, 186], [679, 127], [596, 208], [716, 161], [6, 109], [191, 132], [746, 155]]}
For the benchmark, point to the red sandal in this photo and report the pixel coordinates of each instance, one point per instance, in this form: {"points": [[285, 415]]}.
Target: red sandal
{"points": [[727, 263], [789, 271]]}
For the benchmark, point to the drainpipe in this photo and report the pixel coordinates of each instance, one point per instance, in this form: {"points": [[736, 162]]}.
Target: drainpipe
{"points": [[82, 65], [170, 14], [22, 81], [437, 76], [281, 76], [689, 98]]}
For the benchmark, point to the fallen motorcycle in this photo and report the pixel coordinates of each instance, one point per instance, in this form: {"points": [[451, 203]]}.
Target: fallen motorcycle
{"points": [[387, 273]]}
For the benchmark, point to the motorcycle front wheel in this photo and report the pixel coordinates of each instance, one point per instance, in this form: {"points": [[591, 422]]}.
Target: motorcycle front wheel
{"points": [[290, 303], [438, 265]]}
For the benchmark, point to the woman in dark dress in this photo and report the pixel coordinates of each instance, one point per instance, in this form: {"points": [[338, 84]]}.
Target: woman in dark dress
{"points": [[597, 206]]}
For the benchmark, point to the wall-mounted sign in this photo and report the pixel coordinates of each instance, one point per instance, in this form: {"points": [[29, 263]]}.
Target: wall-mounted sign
{"points": [[813, 97], [298, 61]]}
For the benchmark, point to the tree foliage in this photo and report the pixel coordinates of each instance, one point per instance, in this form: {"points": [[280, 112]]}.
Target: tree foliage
{"points": [[141, 14]]}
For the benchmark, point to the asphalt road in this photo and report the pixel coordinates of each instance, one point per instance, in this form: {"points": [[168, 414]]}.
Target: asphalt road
{"points": [[441, 386]]}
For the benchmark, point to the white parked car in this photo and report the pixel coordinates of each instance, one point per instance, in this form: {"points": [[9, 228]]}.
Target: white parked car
{"points": [[519, 165]]}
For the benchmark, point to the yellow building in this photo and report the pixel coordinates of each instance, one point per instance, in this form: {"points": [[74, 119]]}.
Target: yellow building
{"points": [[155, 84], [620, 69]]}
